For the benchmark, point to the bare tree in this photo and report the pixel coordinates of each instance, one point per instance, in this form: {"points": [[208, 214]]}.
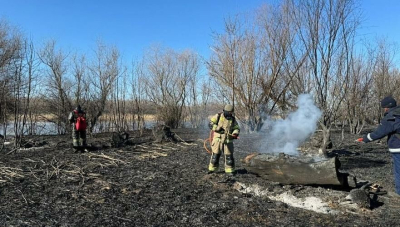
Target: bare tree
{"points": [[10, 44], [24, 77], [103, 72], [199, 95], [285, 57], [257, 61], [223, 61], [58, 85], [356, 102], [206, 92], [384, 77], [166, 83], [189, 65], [81, 81], [10, 49], [32, 67], [327, 29], [119, 103], [236, 67], [138, 110]]}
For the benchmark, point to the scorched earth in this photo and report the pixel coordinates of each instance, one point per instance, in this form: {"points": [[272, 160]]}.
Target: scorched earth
{"points": [[145, 183]]}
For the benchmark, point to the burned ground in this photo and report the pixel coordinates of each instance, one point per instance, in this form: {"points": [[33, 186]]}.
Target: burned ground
{"points": [[143, 183]]}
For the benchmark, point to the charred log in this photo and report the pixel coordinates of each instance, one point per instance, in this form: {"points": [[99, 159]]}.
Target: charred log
{"points": [[119, 139], [163, 133], [287, 169]]}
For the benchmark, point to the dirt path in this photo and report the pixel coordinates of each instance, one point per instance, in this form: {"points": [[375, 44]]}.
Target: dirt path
{"points": [[150, 184]]}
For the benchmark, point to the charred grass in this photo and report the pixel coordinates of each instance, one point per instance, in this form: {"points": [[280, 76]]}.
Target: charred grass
{"points": [[143, 183]]}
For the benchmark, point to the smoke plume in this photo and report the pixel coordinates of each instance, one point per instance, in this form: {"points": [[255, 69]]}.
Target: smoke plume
{"points": [[285, 135]]}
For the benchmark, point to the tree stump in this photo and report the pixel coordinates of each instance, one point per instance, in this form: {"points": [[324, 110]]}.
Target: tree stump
{"points": [[163, 133], [314, 144], [287, 169], [119, 139]]}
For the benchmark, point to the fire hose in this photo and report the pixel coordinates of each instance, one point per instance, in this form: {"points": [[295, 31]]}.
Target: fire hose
{"points": [[210, 138]]}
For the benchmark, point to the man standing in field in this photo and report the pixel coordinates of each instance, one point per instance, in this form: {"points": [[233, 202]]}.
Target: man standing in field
{"points": [[390, 127], [226, 129], [77, 118]]}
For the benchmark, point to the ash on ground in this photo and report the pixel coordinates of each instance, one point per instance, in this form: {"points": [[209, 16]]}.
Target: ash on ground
{"points": [[138, 182]]}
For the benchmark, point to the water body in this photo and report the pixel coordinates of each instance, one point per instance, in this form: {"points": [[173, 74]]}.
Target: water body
{"points": [[49, 128]]}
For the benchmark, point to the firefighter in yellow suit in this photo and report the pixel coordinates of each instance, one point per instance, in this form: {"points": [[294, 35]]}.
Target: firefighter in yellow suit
{"points": [[226, 129]]}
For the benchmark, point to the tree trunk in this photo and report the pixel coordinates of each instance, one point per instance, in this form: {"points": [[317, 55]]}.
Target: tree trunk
{"points": [[326, 138], [293, 170]]}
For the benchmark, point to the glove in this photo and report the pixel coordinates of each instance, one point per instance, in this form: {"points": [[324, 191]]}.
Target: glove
{"points": [[219, 129], [235, 136], [360, 140]]}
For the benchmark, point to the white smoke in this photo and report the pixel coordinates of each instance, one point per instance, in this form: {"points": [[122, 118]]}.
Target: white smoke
{"points": [[286, 135]]}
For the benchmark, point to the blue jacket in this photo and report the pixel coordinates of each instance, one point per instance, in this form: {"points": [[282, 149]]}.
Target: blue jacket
{"points": [[390, 126]]}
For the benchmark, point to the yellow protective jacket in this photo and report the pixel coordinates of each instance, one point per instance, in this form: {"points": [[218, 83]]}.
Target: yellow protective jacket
{"points": [[228, 127]]}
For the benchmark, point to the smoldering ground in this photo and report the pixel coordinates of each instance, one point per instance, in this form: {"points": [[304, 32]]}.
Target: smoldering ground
{"points": [[143, 183]]}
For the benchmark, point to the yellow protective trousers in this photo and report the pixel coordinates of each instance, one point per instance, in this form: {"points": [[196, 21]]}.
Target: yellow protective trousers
{"points": [[218, 147]]}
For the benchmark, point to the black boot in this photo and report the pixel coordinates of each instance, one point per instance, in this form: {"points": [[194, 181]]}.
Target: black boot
{"points": [[214, 163], [229, 165]]}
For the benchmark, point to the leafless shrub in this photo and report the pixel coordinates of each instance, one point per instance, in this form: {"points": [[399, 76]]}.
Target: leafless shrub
{"points": [[58, 85], [11, 42], [103, 71], [327, 30], [168, 75]]}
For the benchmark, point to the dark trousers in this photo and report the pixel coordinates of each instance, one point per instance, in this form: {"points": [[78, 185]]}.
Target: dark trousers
{"points": [[396, 171], [78, 138]]}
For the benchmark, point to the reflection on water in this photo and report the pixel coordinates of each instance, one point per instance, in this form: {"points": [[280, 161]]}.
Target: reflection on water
{"points": [[50, 128], [39, 128]]}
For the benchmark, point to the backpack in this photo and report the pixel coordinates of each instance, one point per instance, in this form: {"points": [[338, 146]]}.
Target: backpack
{"points": [[81, 123]]}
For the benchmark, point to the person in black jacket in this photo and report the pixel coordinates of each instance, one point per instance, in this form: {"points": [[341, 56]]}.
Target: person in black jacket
{"points": [[390, 127]]}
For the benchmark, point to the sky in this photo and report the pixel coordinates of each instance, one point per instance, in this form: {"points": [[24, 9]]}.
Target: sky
{"points": [[135, 25]]}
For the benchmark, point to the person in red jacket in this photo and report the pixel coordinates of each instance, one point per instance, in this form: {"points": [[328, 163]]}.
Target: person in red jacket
{"points": [[77, 118]]}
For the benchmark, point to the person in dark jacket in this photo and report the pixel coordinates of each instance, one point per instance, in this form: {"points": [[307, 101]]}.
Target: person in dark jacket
{"points": [[390, 127], [78, 134]]}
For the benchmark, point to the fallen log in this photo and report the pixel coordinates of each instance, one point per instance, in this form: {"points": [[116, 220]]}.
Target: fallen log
{"points": [[287, 169]]}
